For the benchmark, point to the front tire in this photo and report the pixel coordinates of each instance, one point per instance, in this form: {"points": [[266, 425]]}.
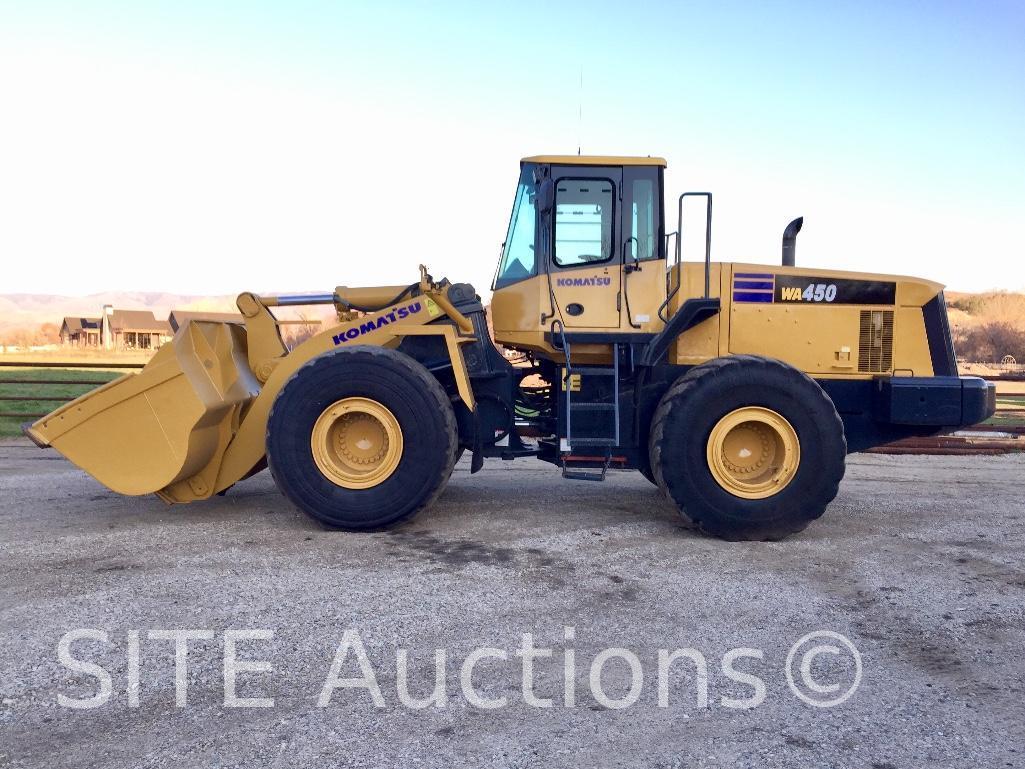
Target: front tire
{"points": [[748, 448], [361, 438]]}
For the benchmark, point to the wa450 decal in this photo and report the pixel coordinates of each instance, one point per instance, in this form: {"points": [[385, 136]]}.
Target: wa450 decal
{"points": [[811, 289]]}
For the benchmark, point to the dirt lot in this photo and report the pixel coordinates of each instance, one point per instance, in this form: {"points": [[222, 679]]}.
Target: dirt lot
{"points": [[918, 563]]}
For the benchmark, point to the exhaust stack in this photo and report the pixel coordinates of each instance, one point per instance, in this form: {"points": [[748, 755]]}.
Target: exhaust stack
{"points": [[790, 241]]}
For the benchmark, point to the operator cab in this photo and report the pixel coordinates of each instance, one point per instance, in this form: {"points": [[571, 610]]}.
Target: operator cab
{"points": [[585, 247]]}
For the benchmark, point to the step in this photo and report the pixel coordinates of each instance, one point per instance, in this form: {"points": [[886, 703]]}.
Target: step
{"points": [[592, 370], [583, 475], [574, 441], [587, 406]]}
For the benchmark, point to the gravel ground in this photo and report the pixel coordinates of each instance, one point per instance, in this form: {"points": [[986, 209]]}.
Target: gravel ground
{"points": [[918, 563]]}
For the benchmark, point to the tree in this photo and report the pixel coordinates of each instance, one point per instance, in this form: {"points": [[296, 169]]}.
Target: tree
{"points": [[989, 342]]}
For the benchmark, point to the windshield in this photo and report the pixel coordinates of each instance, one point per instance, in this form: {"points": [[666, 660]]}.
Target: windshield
{"points": [[519, 260]]}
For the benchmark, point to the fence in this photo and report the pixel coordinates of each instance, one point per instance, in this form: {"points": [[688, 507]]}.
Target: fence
{"points": [[1007, 428], [40, 393]]}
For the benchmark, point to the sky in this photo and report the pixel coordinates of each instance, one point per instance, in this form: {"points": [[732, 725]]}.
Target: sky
{"points": [[217, 147]]}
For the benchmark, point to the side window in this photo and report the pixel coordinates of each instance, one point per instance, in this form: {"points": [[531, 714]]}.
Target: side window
{"points": [[642, 239], [584, 214], [519, 259]]}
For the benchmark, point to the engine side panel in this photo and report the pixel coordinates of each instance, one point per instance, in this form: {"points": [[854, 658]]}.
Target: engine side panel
{"points": [[827, 323]]}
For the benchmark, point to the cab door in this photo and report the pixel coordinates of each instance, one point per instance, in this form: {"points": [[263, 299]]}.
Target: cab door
{"points": [[643, 242], [586, 258]]}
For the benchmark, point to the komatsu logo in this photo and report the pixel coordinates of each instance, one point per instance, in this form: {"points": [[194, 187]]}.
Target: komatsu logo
{"points": [[592, 281], [372, 324]]}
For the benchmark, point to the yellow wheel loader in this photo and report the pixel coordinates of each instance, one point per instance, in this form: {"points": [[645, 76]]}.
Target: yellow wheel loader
{"points": [[738, 389]]}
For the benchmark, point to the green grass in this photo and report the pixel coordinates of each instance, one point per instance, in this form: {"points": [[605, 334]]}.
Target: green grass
{"points": [[1010, 411], [11, 426]]}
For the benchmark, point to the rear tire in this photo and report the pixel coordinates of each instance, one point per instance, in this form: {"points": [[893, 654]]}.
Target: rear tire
{"points": [[748, 448], [361, 438]]}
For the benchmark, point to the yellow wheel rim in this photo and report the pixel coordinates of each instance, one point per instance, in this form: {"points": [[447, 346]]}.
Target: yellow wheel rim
{"points": [[356, 443], [753, 452]]}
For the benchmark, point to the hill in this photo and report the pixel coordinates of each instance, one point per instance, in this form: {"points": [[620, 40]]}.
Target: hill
{"points": [[33, 310], [28, 320], [985, 326]]}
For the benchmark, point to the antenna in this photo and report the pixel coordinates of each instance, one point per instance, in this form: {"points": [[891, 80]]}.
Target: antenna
{"points": [[580, 111]]}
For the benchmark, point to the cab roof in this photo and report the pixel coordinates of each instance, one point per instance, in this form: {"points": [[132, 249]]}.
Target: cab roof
{"points": [[595, 160]]}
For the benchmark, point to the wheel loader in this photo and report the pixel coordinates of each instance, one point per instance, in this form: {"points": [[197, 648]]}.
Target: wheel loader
{"points": [[737, 389]]}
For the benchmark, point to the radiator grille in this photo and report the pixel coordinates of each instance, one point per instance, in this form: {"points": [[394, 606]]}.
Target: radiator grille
{"points": [[875, 343]]}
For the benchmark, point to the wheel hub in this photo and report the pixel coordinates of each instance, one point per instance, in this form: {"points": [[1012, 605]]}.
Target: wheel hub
{"points": [[753, 452], [356, 443]]}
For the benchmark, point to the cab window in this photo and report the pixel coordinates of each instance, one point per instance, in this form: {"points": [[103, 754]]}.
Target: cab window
{"points": [[519, 259], [584, 211], [643, 237]]}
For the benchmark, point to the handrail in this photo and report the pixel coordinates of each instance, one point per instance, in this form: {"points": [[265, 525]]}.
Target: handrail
{"points": [[670, 291], [708, 234], [678, 257], [563, 344]]}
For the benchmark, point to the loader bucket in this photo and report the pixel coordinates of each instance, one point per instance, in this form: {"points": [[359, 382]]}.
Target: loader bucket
{"points": [[168, 424]]}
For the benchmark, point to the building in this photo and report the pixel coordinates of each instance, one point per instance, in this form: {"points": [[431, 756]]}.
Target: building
{"points": [[116, 330], [179, 318], [133, 330], [81, 332]]}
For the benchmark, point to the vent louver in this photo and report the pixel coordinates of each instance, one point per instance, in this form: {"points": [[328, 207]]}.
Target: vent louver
{"points": [[875, 342]]}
